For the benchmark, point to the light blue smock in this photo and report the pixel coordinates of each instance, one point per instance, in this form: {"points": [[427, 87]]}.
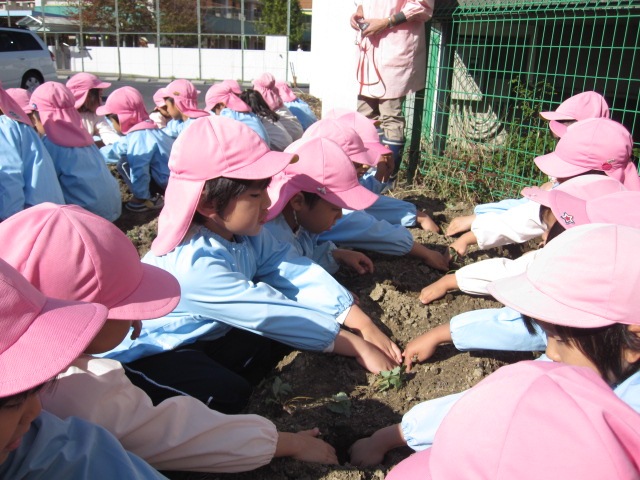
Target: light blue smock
{"points": [[393, 210], [27, 174], [420, 424], [250, 119], [176, 127], [256, 283], [305, 243], [147, 152], [303, 112], [358, 229], [72, 449], [499, 207], [85, 179]]}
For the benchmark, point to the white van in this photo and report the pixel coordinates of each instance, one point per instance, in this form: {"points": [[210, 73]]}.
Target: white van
{"points": [[25, 61]]}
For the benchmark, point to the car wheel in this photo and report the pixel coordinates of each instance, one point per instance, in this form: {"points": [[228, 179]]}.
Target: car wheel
{"points": [[32, 80]]}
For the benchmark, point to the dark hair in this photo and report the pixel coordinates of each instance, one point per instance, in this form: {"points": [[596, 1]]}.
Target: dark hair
{"points": [[19, 398], [221, 191], [556, 229], [93, 92], [603, 346], [311, 199], [112, 117], [254, 99]]}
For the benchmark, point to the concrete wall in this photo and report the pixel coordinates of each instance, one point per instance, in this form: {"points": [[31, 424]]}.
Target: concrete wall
{"points": [[208, 64]]}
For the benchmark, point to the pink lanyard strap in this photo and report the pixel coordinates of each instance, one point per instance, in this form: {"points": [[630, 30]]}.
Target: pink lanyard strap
{"points": [[363, 61]]}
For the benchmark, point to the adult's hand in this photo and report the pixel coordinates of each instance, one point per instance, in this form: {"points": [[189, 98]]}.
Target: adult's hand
{"points": [[357, 17], [376, 25]]}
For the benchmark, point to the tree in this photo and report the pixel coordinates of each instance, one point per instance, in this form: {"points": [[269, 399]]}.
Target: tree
{"points": [[99, 15], [273, 20]]}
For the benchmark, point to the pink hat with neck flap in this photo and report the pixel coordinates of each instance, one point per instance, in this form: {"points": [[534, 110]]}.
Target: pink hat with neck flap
{"points": [[62, 122], [211, 147], [345, 136], [81, 83], [324, 169], [40, 336], [22, 98], [185, 97], [363, 127], [285, 92], [12, 109], [128, 104], [105, 267], [593, 144], [579, 107], [223, 93], [532, 421], [266, 85]]}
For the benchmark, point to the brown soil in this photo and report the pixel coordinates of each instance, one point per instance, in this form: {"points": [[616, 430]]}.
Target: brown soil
{"points": [[390, 297]]}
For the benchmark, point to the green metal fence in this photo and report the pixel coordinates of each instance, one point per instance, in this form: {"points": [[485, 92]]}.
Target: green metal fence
{"points": [[494, 64]]}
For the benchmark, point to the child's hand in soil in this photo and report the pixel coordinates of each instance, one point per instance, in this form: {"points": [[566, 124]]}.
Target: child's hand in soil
{"points": [[438, 289], [304, 446], [426, 222], [437, 260], [355, 260], [460, 224], [370, 451], [374, 335], [373, 359], [423, 347]]}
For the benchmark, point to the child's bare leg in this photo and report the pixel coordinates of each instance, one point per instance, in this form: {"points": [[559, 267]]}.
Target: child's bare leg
{"points": [[423, 347], [430, 257], [367, 354], [439, 288], [460, 224], [426, 222], [463, 243], [370, 451], [361, 324]]}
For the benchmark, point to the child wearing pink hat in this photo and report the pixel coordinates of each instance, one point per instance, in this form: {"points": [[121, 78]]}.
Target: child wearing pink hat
{"points": [[221, 99], [87, 91], [297, 106], [279, 137], [142, 153], [530, 421], [160, 115], [42, 336], [83, 175], [181, 98], [307, 198], [578, 107], [98, 390], [240, 286], [265, 84], [592, 145], [583, 203], [29, 177]]}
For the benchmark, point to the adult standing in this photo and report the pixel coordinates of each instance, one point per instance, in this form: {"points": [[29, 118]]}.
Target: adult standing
{"points": [[391, 63]]}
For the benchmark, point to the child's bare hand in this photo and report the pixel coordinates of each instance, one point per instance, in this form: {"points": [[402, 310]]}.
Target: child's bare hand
{"points": [[366, 452], [426, 222], [438, 288], [356, 260], [375, 336], [137, 328], [436, 260], [419, 349], [459, 247], [373, 359], [460, 224], [312, 449]]}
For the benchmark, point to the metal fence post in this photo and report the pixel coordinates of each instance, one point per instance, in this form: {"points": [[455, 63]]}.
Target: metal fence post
{"points": [[441, 123]]}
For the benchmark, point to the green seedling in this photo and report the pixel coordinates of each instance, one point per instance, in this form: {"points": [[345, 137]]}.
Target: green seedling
{"points": [[391, 379], [279, 390], [340, 404]]}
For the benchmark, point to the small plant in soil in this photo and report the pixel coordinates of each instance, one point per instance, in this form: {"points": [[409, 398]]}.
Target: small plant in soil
{"points": [[340, 404], [389, 379], [279, 390]]}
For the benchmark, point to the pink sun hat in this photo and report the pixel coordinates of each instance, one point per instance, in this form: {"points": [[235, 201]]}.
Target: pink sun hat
{"points": [[22, 98], [211, 147], [106, 268], [529, 421], [285, 92], [593, 144], [266, 85], [81, 83], [589, 199], [233, 85], [579, 107], [223, 93], [586, 278], [128, 104], [185, 96], [346, 137], [324, 169], [13, 109], [363, 127], [62, 122], [40, 336], [159, 97]]}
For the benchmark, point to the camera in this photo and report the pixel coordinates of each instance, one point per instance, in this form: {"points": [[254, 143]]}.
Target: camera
{"points": [[363, 25]]}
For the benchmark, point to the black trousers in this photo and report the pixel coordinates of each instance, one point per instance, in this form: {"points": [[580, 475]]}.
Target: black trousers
{"points": [[221, 373]]}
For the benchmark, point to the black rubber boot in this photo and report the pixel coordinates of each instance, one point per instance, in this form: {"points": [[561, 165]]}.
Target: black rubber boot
{"points": [[397, 150]]}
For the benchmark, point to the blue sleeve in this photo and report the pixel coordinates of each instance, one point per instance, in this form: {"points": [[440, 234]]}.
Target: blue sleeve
{"points": [[140, 153], [495, 329], [394, 211], [370, 182], [12, 184], [113, 152], [498, 207], [420, 424], [302, 112], [72, 449], [173, 128], [629, 391], [360, 230]]}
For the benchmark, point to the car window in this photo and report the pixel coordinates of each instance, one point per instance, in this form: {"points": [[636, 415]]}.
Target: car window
{"points": [[26, 41], [8, 43]]}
